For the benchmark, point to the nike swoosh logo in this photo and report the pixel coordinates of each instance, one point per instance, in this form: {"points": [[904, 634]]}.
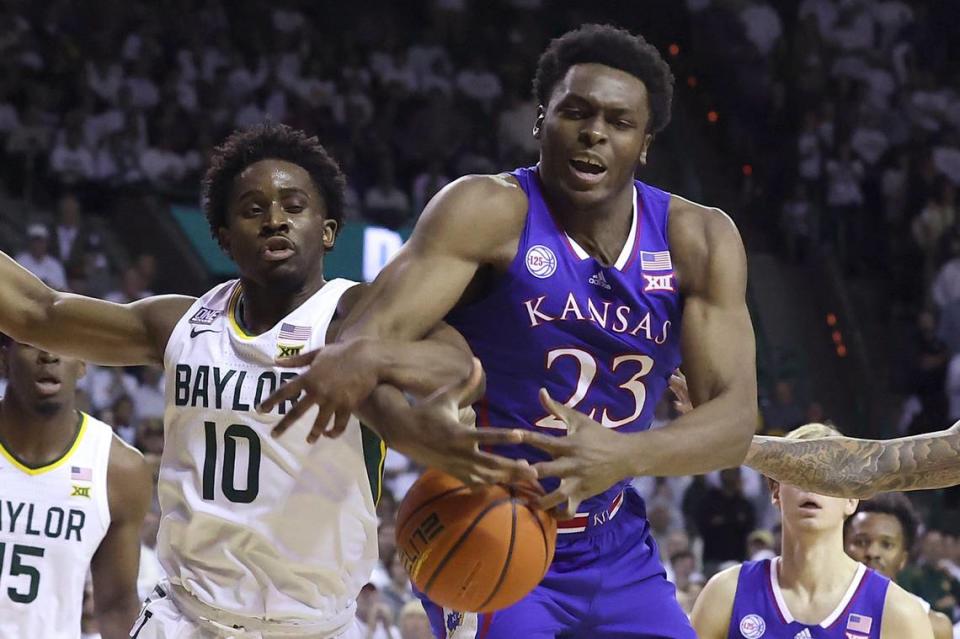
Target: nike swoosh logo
{"points": [[199, 331]]}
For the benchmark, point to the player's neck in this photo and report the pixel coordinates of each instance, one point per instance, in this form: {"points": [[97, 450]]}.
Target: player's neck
{"points": [[601, 230], [35, 437], [261, 307], [814, 562]]}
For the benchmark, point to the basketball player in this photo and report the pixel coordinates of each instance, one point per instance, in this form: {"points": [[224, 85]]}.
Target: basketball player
{"points": [[261, 536], [813, 590], [572, 276], [880, 534], [72, 500]]}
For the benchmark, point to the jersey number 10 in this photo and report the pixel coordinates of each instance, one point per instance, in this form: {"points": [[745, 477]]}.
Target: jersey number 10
{"points": [[231, 436]]}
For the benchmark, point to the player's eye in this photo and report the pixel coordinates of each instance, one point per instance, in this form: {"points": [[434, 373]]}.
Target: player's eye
{"points": [[294, 208]]}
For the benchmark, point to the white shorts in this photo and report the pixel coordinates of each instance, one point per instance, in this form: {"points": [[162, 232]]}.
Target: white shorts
{"points": [[160, 618]]}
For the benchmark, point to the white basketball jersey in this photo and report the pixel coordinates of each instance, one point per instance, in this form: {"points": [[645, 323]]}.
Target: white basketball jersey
{"points": [[275, 529], [52, 520]]}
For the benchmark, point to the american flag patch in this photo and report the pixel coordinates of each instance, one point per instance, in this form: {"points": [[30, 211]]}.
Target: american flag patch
{"points": [[859, 623], [655, 261], [81, 474], [295, 333]]}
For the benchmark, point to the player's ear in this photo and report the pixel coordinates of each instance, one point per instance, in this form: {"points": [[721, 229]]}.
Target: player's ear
{"points": [[223, 238], [538, 124], [774, 487], [647, 141], [329, 233], [850, 507], [81, 369]]}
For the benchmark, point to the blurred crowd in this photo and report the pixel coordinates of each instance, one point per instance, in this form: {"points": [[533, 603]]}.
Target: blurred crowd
{"points": [[860, 93]]}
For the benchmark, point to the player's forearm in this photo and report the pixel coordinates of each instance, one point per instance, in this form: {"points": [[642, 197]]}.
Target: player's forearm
{"points": [[715, 435], [24, 300], [382, 412], [116, 619], [418, 367], [859, 468]]}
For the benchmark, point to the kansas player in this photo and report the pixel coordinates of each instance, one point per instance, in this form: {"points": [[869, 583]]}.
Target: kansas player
{"points": [[813, 590], [574, 277], [262, 536], [72, 501]]}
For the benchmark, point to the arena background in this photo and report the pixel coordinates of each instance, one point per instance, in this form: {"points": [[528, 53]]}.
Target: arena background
{"points": [[828, 129]]}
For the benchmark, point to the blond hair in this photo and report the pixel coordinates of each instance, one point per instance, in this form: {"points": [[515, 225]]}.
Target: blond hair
{"points": [[813, 431]]}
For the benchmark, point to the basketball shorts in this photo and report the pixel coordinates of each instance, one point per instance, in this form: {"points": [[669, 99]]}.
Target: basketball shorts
{"points": [[161, 618], [606, 581]]}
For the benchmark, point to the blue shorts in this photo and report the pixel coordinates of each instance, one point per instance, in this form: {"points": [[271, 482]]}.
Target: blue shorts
{"points": [[604, 582]]}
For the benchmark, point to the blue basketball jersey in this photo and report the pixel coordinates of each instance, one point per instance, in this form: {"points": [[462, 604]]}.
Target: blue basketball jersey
{"points": [[601, 339], [759, 609]]}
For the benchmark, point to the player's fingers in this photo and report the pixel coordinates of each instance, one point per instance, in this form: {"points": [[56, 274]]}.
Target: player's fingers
{"points": [[296, 361], [551, 501], [320, 424], [555, 468], [456, 389], [547, 443], [569, 416], [495, 436], [340, 420], [289, 391], [507, 469], [295, 413]]}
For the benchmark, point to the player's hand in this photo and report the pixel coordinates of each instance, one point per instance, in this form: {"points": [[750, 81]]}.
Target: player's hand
{"points": [[585, 459], [680, 390], [432, 434], [340, 376]]}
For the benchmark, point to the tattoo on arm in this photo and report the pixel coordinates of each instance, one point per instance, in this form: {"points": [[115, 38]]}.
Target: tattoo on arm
{"points": [[859, 468]]}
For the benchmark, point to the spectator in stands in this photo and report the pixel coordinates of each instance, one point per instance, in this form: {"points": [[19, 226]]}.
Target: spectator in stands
{"points": [[785, 411], [724, 520], [123, 422], [760, 545], [687, 580], [131, 287], [946, 284], [148, 395], [150, 435], [798, 221], [396, 593], [928, 580], [928, 375], [844, 202], [374, 616], [71, 161], [427, 184], [384, 203], [38, 261], [68, 233]]}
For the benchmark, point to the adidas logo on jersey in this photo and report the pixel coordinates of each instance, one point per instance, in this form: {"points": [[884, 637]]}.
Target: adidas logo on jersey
{"points": [[803, 634], [599, 280]]}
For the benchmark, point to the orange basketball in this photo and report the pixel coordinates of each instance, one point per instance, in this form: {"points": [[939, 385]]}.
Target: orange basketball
{"points": [[473, 548]]}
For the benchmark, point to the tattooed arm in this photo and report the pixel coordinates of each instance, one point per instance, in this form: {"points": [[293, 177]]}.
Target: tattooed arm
{"points": [[860, 468]]}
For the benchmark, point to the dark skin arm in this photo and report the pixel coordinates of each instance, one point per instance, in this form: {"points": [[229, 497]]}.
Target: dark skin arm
{"points": [[440, 367], [93, 330], [116, 564], [717, 345]]}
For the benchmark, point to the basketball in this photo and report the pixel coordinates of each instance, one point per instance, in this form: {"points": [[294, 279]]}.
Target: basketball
{"points": [[473, 548]]}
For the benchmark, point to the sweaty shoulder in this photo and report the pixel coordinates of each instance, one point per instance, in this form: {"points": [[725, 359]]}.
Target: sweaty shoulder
{"points": [[700, 236], [714, 607], [480, 217], [903, 616]]}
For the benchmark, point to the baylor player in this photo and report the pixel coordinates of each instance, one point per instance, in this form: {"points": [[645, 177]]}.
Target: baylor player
{"points": [[263, 536], [72, 499]]}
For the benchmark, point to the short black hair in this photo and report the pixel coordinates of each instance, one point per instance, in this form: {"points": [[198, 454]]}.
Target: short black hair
{"points": [[613, 47], [896, 505], [265, 142]]}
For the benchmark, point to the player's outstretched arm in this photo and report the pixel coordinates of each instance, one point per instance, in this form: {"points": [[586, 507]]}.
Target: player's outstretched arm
{"points": [[714, 607], [903, 616], [470, 223], [860, 468], [116, 563], [93, 330]]}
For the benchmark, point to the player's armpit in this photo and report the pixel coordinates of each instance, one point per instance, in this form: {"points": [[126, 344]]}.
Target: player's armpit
{"points": [[116, 564], [903, 616], [93, 330], [714, 607], [860, 468]]}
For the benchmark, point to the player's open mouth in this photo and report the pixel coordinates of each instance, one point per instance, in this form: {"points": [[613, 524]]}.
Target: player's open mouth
{"points": [[588, 170], [48, 385], [277, 248], [810, 505]]}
